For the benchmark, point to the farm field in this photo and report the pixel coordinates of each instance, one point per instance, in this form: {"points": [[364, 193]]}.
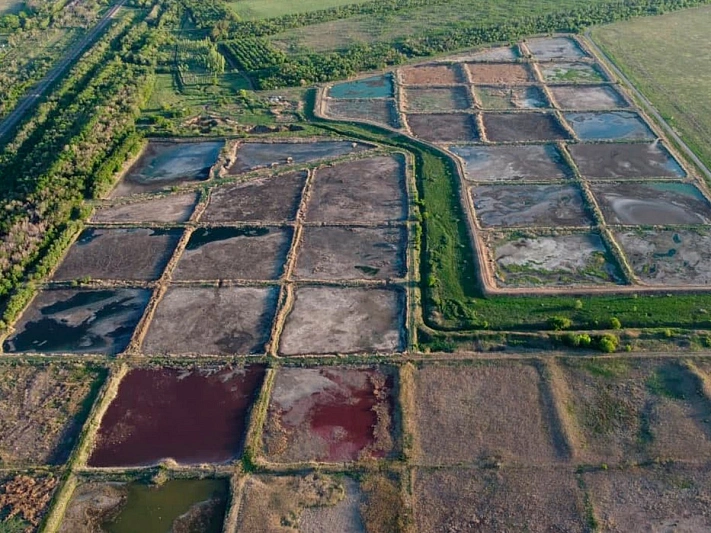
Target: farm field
{"points": [[260, 9], [642, 48]]}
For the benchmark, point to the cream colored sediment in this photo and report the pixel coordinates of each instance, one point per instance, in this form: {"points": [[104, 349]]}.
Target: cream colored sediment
{"points": [[258, 417]]}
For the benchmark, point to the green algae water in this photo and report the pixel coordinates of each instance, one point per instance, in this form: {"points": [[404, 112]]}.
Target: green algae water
{"points": [[155, 509]]}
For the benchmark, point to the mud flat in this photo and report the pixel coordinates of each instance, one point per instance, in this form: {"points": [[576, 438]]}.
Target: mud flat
{"points": [[43, 408], [255, 155], [24, 500], [330, 414], [592, 97], [529, 205], [550, 260], [571, 73], [192, 416], [432, 100], [166, 164], [519, 127], [637, 410], [498, 74], [445, 127], [326, 320], [512, 163], [652, 203], [555, 48], [668, 257], [319, 503], [352, 253], [537, 500], [431, 75], [192, 320], [119, 254], [177, 506], [248, 252], [166, 209], [625, 161], [613, 125], [382, 111], [79, 321], [654, 498], [500, 53], [499, 415], [511, 97], [364, 191], [374, 87], [274, 199]]}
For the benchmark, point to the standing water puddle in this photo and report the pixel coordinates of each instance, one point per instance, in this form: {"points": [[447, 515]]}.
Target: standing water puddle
{"points": [[375, 87], [616, 125]]}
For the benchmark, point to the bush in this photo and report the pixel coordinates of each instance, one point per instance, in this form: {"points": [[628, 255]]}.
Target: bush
{"points": [[615, 323], [608, 343], [559, 323]]}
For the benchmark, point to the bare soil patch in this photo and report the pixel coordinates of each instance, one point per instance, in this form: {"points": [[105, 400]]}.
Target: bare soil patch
{"points": [[192, 416], [251, 253], [499, 74], [431, 75], [432, 100], [571, 72], [192, 320], [24, 501], [554, 48], [637, 410], [657, 498], [472, 414], [553, 260], [512, 163], [166, 209], [446, 127], [176, 506], [42, 409], [591, 97], [382, 111], [500, 53], [518, 127], [352, 253], [79, 321], [529, 205], [365, 191], [166, 164], [330, 414], [253, 155], [274, 199], [652, 203], [668, 257], [492, 501], [625, 161], [117, 254], [326, 320]]}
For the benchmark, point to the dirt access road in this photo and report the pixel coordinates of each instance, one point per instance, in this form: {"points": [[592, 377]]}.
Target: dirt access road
{"points": [[34, 95]]}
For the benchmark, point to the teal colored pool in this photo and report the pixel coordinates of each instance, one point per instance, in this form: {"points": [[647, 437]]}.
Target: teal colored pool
{"points": [[375, 87]]}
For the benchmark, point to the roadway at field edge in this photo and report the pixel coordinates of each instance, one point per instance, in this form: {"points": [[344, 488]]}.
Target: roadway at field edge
{"points": [[34, 95], [649, 107]]}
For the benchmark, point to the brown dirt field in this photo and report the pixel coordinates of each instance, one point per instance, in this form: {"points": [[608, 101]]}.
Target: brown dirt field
{"points": [[364, 191], [593, 97], [166, 209], [352, 253], [383, 111], [192, 320], [520, 127], [443, 128], [503, 73], [42, 409], [637, 410], [468, 414], [234, 253], [431, 75], [315, 503], [625, 161], [496, 501], [430, 100], [24, 501], [512, 163], [118, 254], [660, 499], [330, 414], [327, 320], [273, 199]]}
